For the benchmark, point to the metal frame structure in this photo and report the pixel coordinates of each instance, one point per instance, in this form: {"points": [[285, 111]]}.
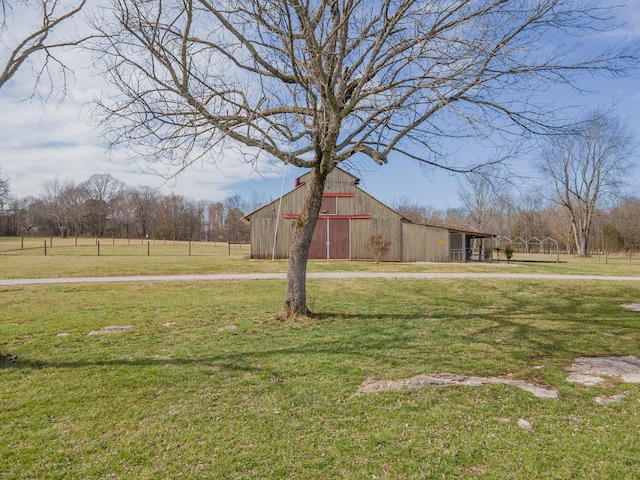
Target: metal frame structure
{"points": [[528, 242]]}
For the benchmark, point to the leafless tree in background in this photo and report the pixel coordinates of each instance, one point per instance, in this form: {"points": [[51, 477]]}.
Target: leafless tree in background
{"points": [[626, 217], [483, 194], [63, 206], [587, 166], [530, 216], [145, 202], [101, 190], [5, 192], [315, 83], [39, 42]]}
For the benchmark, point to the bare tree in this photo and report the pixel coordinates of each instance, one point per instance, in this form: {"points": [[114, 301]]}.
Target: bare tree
{"points": [[123, 213], [530, 216], [626, 217], [585, 167], [410, 210], [234, 209], [146, 200], [482, 194], [5, 193], [173, 218], [101, 189], [64, 205], [314, 83], [7, 207], [39, 41], [215, 222]]}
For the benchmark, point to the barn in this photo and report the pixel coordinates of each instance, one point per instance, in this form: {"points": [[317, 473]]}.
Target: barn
{"points": [[348, 218]]}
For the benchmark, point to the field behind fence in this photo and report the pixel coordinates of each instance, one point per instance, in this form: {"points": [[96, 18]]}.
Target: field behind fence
{"points": [[83, 246], [28, 257]]}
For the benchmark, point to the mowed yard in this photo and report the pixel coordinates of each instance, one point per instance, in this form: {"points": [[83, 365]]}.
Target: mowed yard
{"points": [[203, 382]]}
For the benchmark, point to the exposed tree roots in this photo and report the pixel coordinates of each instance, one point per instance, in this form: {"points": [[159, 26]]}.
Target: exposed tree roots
{"points": [[297, 317]]}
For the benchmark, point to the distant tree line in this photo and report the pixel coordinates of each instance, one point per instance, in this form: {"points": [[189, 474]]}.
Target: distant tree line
{"points": [[103, 206]]}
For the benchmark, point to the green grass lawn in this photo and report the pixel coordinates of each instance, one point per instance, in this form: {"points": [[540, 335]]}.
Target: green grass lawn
{"points": [[208, 385]]}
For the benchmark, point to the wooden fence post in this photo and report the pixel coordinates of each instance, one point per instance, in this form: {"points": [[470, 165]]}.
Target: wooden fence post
{"points": [[45, 247]]}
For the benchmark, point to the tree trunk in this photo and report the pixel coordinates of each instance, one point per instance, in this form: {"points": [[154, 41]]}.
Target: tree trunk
{"points": [[582, 247], [581, 238], [295, 300]]}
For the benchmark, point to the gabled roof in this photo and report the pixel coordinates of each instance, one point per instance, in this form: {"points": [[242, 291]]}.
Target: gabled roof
{"points": [[301, 180]]}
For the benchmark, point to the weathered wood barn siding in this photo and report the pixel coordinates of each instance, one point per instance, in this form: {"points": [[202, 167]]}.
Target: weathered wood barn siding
{"points": [[366, 216], [349, 217], [424, 243]]}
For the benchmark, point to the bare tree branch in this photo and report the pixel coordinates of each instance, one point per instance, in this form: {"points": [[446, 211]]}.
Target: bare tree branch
{"points": [[37, 42], [314, 83]]}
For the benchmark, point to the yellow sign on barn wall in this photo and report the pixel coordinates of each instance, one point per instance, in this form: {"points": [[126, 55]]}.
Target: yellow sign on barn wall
{"points": [[442, 242]]}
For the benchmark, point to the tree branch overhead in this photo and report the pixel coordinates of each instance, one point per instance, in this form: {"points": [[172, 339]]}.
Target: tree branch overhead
{"points": [[314, 83]]}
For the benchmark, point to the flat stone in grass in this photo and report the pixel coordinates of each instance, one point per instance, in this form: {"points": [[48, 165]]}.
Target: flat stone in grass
{"points": [[591, 371], [447, 379], [111, 329], [226, 328], [611, 399], [632, 306]]}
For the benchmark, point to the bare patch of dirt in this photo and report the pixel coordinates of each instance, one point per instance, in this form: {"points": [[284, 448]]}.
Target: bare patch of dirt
{"points": [[590, 371], [111, 329], [447, 379]]}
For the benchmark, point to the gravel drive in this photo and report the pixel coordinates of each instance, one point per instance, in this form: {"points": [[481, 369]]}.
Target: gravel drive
{"points": [[283, 276]]}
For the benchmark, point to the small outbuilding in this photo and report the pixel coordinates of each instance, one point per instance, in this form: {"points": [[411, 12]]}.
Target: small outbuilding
{"points": [[348, 218]]}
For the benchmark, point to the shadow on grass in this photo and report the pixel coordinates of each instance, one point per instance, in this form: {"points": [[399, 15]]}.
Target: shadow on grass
{"points": [[448, 333]]}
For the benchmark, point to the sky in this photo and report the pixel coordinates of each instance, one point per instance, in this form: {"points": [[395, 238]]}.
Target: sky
{"points": [[57, 140]]}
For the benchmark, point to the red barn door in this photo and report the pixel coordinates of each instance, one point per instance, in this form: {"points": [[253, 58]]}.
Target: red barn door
{"points": [[330, 239]]}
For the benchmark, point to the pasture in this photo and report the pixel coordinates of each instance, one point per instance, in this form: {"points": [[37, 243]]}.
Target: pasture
{"points": [[202, 382]]}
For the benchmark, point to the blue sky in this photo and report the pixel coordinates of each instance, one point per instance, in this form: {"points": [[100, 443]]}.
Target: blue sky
{"points": [[43, 142]]}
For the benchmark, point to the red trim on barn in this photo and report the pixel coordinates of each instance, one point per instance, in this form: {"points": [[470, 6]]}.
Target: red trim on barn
{"points": [[290, 216], [338, 194]]}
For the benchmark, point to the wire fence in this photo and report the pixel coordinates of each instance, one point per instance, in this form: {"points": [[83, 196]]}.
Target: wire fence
{"points": [[83, 246], [598, 256]]}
